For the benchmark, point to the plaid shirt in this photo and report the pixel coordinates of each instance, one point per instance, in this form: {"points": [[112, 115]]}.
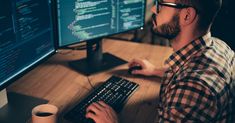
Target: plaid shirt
{"points": [[199, 84]]}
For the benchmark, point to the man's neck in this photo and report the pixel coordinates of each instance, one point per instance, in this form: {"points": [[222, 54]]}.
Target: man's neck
{"points": [[185, 37]]}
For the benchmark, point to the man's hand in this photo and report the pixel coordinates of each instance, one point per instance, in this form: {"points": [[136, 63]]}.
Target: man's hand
{"points": [[101, 113], [148, 69]]}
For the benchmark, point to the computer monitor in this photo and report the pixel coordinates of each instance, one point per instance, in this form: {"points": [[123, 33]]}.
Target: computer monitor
{"points": [[92, 20], [26, 39]]}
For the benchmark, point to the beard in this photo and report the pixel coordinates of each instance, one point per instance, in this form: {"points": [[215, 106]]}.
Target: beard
{"points": [[168, 30]]}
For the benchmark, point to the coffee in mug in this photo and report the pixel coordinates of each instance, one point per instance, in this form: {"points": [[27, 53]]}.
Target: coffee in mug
{"points": [[45, 113]]}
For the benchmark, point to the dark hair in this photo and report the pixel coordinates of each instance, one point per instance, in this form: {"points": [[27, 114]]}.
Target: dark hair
{"points": [[206, 9]]}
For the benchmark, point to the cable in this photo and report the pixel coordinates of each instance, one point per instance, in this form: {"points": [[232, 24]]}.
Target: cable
{"points": [[90, 83]]}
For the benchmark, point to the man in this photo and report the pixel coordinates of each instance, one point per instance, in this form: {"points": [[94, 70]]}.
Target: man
{"points": [[198, 81]]}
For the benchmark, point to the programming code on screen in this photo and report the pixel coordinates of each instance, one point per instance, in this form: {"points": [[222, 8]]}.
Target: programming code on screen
{"points": [[26, 35], [81, 20]]}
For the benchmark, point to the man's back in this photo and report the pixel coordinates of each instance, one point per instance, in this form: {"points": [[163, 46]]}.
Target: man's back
{"points": [[218, 76], [199, 86]]}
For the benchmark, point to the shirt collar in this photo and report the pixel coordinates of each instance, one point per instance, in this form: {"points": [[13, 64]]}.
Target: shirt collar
{"points": [[179, 57]]}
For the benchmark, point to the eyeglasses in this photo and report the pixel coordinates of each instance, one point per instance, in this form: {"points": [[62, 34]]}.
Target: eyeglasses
{"points": [[168, 4]]}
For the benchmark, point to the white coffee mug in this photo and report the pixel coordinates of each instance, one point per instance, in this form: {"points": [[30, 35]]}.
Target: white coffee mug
{"points": [[45, 113]]}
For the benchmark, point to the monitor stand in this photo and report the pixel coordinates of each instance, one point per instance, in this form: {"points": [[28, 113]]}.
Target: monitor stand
{"points": [[96, 61], [19, 107]]}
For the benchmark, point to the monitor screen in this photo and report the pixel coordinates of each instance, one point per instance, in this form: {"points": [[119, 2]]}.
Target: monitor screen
{"points": [[26, 36], [80, 20]]}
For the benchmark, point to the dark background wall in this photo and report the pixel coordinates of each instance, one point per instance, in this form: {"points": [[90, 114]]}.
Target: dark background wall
{"points": [[224, 24], [223, 27]]}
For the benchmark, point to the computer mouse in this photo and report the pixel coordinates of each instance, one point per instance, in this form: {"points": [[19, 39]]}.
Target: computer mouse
{"points": [[134, 68]]}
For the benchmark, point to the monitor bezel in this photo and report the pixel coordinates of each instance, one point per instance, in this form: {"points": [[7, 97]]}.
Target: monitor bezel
{"points": [[56, 29]]}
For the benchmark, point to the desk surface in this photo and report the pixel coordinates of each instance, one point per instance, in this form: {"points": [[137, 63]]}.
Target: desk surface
{"points": [[55, 81]]}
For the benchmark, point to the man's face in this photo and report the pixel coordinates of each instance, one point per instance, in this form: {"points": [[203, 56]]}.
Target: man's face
{"points": [[168, 27]]}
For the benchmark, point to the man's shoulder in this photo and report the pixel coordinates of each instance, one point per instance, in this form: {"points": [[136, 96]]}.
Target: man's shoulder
{"points": [[216, 54], [213, 66], [219, 45]]}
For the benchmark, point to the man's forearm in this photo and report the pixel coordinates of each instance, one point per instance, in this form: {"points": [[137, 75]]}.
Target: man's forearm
{"points": [[159, 72]]}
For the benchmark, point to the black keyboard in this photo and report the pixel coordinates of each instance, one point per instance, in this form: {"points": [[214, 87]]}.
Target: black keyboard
{"points": [[115, 92]]}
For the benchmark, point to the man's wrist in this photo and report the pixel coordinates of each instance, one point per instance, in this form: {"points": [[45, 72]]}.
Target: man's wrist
{"points": [[159, 72]]}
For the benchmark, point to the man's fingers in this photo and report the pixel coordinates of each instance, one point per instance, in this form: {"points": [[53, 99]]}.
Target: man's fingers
{"points": [[101, 112], [94, 107], [91, 115], [135, 62], [137, 72], [97, 105], [103, 104]]}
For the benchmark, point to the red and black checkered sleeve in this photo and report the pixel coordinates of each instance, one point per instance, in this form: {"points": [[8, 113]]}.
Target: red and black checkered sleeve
{"points": [[188, 102]]}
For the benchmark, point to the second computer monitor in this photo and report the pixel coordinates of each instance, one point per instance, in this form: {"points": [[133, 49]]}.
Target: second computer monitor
{"points": [[91, 20], [81, 20]]}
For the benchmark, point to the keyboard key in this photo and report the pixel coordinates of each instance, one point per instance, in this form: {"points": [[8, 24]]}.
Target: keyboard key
{"points": [[115, 92]]}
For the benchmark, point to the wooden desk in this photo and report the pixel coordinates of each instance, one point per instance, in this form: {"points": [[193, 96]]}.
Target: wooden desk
{"points": [[56, 82]]}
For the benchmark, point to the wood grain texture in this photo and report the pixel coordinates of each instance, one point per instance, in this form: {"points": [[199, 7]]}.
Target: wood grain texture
{"points": [[62, 86]]}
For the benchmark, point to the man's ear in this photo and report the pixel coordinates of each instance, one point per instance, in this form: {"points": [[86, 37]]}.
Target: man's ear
{"points": [[188, 16]]}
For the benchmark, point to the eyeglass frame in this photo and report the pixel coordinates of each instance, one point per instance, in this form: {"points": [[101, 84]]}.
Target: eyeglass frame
{"points": [[169, 4]]}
